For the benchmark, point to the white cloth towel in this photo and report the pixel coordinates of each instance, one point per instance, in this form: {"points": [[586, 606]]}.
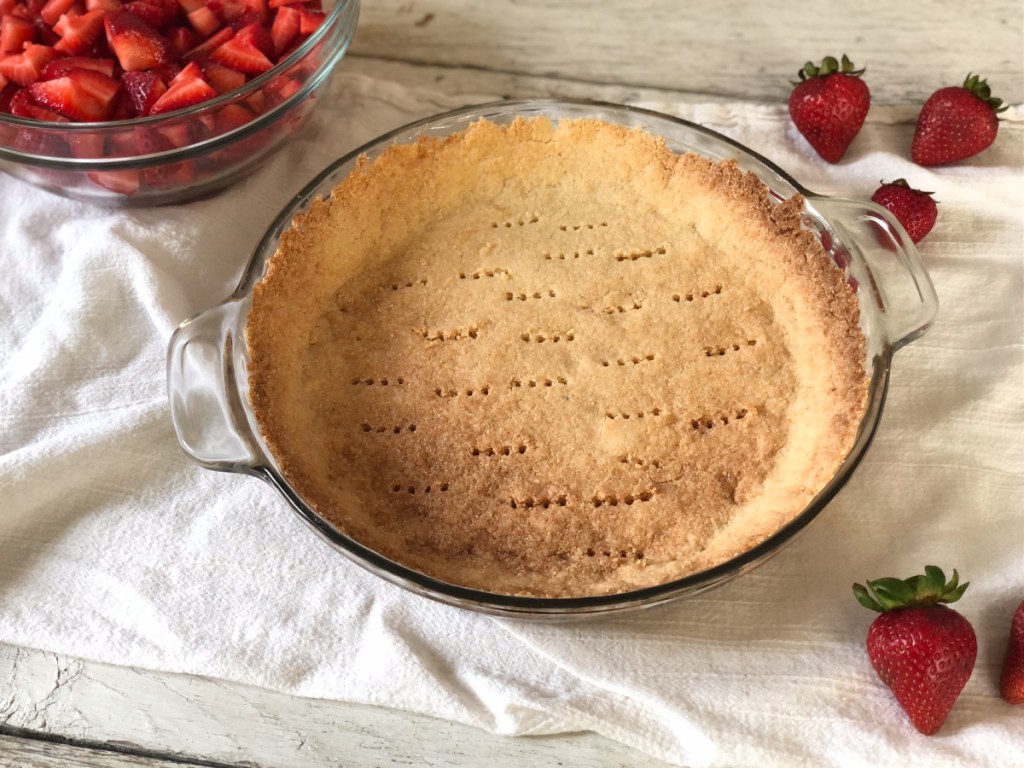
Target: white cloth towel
{"points": [[114, 547]]}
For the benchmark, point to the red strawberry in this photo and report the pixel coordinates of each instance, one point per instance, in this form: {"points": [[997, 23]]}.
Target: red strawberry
{"points": [[82, 94], [914, 209], [309, 21], [78, 32], [242, 55], [135, 43], [14, 33], [204, 21], [956, 123], [24, 68], [54, 9], [921, 649], [158, 16], [285, 28], [183, 92], [1011, 683], [143, 88], [222, 78], [60, 67], [23, 105], [121, 182], [182, 40], [828, 106], [202, 51]]}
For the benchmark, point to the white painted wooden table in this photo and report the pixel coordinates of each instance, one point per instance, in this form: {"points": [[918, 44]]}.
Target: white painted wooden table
{"points": [[60, 711]]}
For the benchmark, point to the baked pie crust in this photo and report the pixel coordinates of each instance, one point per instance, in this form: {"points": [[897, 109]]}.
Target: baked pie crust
{"points": [[554, 360]]}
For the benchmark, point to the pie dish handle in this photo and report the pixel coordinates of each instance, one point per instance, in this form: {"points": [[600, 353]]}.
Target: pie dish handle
{"points": [[206, 406], [891, 268]]}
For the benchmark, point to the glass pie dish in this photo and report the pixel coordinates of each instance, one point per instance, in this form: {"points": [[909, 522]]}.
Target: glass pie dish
{"points": [[209, 363]]}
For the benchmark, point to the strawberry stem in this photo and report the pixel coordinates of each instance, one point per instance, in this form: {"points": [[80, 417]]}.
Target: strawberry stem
{"points": [[829, 66], [890, 594], [979, 87], [903, 183]]}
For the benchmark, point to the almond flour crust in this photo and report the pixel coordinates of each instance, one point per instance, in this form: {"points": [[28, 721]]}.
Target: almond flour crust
{"points": [[554, 360]]}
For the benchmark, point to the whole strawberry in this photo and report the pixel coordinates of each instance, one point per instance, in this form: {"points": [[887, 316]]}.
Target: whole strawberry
{"points": [[829, 104], [921, 649], [1011, 683], [956, 123], [914, 209]]}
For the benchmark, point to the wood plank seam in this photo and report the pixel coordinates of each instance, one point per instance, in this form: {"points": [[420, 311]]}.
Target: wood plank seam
{"points": [[116, 748]]}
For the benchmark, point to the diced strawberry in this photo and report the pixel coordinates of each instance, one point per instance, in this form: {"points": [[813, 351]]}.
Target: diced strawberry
{"points": [[202, 51], [39, 143], [7, 93], [155, 14], [204, 21], [256, 101], [78, 33], [228, 10], [230, 117], [125, 182], [182, 39], [285, 28], [6, 6], [176, 135], [22, 12], [282, 3], [281, 89], [14, 33], [54, 9], [102, 5], [24, 68], [143, 89], [259, 36], [188, 72], [242, 55], [60, 67], [23, 105], [171, 175], [183, 93], [86, 145], [149, 142], [222, 78], [135, 43], [310, 21], [259, 7], [201, 128], [83, 94], [122, 109], [122, 144]]}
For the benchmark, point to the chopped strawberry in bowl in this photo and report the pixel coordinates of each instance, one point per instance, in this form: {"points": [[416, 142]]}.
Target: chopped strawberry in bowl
{"points": [[146, 102]]}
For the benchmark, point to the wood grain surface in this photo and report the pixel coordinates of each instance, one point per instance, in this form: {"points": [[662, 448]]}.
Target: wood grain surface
{"points": [[726, 48]]}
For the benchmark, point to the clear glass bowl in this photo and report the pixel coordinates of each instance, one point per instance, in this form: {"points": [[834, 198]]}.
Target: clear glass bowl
{"points": [[208, 360], [114, 163]]}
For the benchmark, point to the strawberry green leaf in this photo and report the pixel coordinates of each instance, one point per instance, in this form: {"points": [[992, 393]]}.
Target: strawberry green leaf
{"points": [[980, 88], [864, 598], [929, 588]]}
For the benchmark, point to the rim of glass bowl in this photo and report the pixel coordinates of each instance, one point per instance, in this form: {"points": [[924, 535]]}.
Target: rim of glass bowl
{"points": [[524, 606], [340, 8]]}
